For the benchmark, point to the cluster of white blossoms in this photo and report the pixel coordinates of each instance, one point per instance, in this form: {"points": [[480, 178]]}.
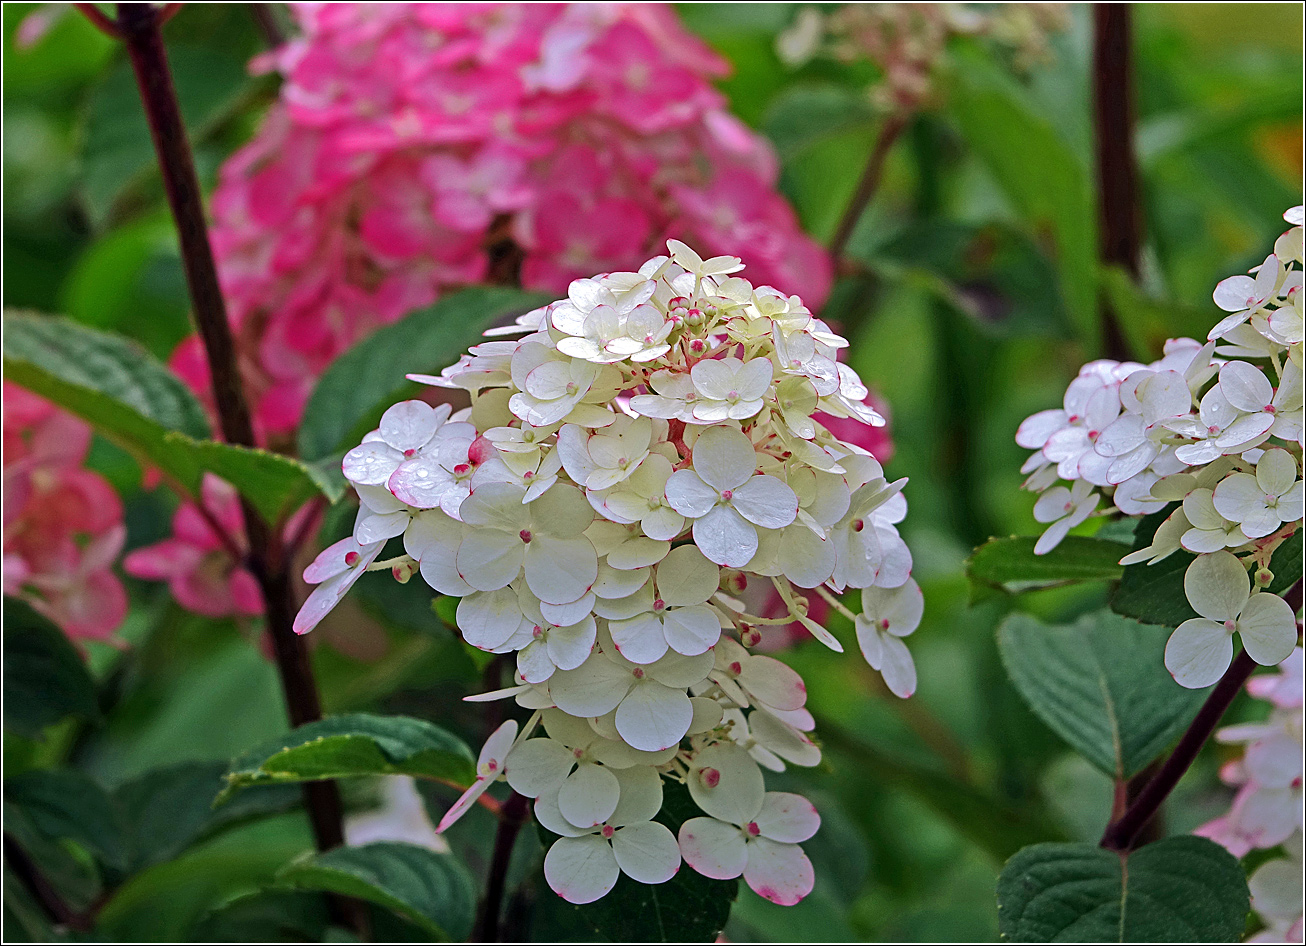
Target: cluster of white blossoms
{"points": [[1216, 428], [651, 445]]}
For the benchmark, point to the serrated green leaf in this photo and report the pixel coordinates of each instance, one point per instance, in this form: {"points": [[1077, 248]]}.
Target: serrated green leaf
{"points": [[1010, 564], [1154, 594], [136, 402], [59, 354], [687, 908], [355, 744], [45, 678], [167, 810], [1100, 684], [64, 804], [357, 387], [265, 917], [1182, 889], [433, 890]]}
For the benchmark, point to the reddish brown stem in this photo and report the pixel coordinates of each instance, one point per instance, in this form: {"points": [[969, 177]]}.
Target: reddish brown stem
{"points": [[867, 186], [1118, 199], [139, 26], [101, 22], [514, 813], [50, 900], [1122, 834]]}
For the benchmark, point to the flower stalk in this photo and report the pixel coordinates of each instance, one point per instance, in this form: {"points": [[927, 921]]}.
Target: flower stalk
{"points": [[138, 25]]}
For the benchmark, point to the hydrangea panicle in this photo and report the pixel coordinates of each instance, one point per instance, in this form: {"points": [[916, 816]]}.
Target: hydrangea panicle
{"points": [[627, 467], [1214, 432]]}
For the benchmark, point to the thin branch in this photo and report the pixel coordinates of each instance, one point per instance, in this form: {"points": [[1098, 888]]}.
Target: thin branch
{"points": [[25, 869], [514, 814], [139, 25], [1122, 833], [265, 18], [1118, 203], [101, 22], [867, 186]]}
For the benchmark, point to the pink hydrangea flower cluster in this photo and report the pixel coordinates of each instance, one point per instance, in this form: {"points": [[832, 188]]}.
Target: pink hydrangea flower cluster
{"points": [[1267, 809], [417, 147], [63, 524]]}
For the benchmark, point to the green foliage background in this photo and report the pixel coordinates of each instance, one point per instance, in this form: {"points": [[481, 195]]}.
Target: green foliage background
{"points": [[978, 304]]}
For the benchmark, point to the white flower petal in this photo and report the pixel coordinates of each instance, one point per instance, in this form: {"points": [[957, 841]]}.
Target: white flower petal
{"points": [[725, 537], [713, 848], [774, 683], [641, 793], [686, 577], [639, 639], [898, 668], [690, 631], [787, 818], [488, 559], [654, 716], [647, 852], [411, 424], [588, 796], [594, 688], [688, 495], [581, 870], [1217, 586], [726, 783], [538, 766], [766, 501], [1198, 653], [778, 872], [488, 618], [558, 570], [1268, 628], [723, 458]]}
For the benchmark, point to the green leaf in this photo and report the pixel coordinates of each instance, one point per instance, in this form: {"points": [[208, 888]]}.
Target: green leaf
{"points": [[136, 402], [210, 81], [265, 917], [803, 115], [687, 908], [433, 890], [167, 810], [1045, 179], [1010, 565], [1154, 594], [1100, 684], [110, 381], [355, 744], [357, 387], [45, 678], [64, 804], [1182, 889]]}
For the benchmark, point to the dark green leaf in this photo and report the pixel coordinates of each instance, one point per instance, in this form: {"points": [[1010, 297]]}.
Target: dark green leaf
{"points": [[1011, 565], [167, 810], [687, 908], [1182, 889], [1100, 684], [356, 744], [431, 889], [45, 678], [64, 804], [268, 916], [1046, 180], [358, 386], [136, 402], [802, 115], [52, 355]]}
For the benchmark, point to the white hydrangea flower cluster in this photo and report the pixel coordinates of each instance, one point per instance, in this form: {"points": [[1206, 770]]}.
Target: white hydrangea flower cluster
{"points": [[1205, 426], [652, 444]]}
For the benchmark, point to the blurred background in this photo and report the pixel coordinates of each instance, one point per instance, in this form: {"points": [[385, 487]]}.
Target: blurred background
{"points": [[971, 292]]}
